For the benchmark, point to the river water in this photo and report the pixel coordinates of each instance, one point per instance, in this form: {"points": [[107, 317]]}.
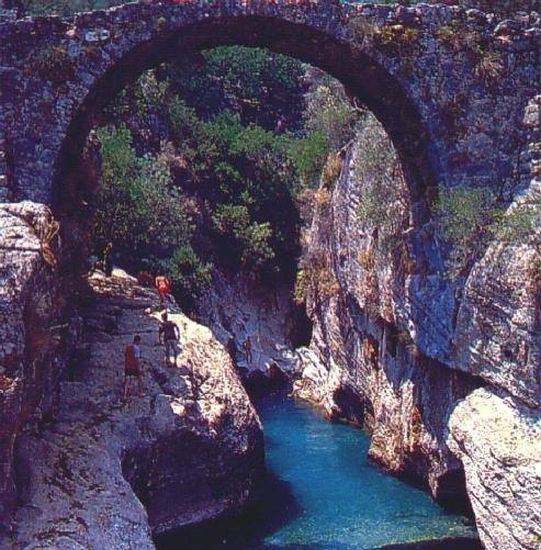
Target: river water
{"points": [[324, 494]]}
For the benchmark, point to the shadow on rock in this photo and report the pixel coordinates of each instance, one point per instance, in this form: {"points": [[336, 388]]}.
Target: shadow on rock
{"points": [[248, 531]]}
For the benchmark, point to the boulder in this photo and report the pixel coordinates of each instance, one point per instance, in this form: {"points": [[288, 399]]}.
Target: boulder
{"points": [[498, 440], [113, 475]]}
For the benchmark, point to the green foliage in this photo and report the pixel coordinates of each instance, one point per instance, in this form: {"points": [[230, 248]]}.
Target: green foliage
{"points": [[469, 220], [190, 275], [315, 281], [308, 156], [384, 203], [262, 87], [330, 122], [488, 64], [149, 92], [65, 7], [329, 112], [138, 210], [234, 143]]}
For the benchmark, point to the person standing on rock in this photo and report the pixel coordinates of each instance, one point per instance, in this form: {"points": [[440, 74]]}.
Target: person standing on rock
{"points": [[247, 345], [163, 286], [75, 330], [133, 367], [169, 334]]}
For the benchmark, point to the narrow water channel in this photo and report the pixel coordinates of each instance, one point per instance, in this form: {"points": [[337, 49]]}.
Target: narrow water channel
{"points": [[324, 494]]}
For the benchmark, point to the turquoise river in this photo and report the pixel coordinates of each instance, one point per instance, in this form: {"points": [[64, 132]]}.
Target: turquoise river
{"points": [[324, 494]]}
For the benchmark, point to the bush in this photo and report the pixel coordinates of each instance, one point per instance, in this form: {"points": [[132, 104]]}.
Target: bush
{"points": [[316, 280], [189, 274], [384, 203], [65, 7], [137, 209], [469, 219]]}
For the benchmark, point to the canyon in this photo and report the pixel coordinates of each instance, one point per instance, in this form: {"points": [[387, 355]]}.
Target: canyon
{"points": [[446, 378], [444, 373]]}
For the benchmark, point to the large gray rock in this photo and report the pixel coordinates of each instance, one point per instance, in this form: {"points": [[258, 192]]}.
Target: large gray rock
{"points": [[499, 321], [107, 475], [236, 307], [499, 442], [30, 305]]}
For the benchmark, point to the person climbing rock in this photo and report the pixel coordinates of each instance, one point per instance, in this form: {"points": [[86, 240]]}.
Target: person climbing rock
{"points": [[133, 367], [163, 286], [247, 345], [169, 334], [108, 259]]}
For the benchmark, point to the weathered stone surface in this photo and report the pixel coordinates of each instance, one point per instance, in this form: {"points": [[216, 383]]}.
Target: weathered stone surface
{"points": [[499, 442], [238, 307], [30, 360], [498, 328], [397, 345], [376, 325], [456, 81], [499, 323], [110, 476]]}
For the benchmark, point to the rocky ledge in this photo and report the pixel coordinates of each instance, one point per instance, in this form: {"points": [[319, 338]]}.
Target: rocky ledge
{"points": [[108, 475]]}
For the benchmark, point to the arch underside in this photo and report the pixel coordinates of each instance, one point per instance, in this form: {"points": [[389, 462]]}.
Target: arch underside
{"points": [[363, 78]]}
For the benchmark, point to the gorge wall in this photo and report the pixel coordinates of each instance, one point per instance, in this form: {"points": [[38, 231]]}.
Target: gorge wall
{"points": [[236, 307], [445, 374], [109, 475]]}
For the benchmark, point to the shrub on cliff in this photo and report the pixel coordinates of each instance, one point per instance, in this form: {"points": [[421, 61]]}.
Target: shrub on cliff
{"points": [[471, 218], [138, 210]]}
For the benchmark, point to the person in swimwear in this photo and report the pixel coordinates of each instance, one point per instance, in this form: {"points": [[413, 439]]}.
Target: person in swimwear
{"points": [[133, 367], [163, 286]]}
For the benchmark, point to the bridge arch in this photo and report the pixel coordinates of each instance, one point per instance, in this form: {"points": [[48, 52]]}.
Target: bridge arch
{"points": [[454, 116], [330, 49]]}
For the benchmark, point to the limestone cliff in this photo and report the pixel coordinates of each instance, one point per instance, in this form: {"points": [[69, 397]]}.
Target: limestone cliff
{"points": [[236, 307], [86, 470], [31, 354], [401, 349]]}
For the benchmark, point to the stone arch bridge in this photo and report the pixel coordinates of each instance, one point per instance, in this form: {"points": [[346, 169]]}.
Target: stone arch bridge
{"points": [[451, 86]]}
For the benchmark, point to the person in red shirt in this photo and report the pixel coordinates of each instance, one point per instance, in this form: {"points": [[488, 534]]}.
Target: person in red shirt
{"points": [[163, 286], [133, 367]]}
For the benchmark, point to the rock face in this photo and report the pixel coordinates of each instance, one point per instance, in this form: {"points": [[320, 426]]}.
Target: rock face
{"points": [[113, 475], [381, 279], [32, 354], [402, 350], [237, 307], [499, 443]]}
